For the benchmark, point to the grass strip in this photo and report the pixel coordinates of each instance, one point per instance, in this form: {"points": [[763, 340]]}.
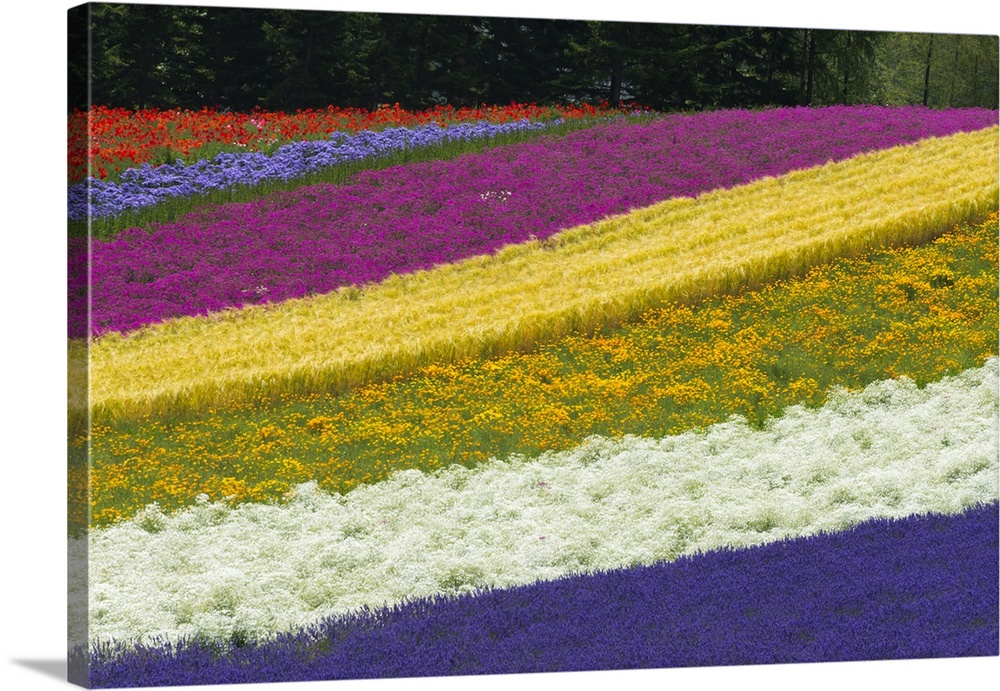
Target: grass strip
{"points": [[579, 280], [923, 312]]}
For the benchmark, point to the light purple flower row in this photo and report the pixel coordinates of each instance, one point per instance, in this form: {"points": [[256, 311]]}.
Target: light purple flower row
{"points": [[404, 218], [919, 587], [147, 185]]}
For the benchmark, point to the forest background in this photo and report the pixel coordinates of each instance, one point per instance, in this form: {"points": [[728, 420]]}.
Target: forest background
{"points": [[241, 58]]}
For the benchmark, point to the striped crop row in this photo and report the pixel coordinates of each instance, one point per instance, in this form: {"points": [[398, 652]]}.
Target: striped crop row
{"points": [[682, 249], [919, 587], [745, 422], [316, 238], [922, 312], [890, 450]]}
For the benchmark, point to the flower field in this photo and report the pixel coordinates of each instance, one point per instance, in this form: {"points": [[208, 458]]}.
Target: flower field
{"points": [[149, 185], [409, 218], [105, 142], [599, 390]]}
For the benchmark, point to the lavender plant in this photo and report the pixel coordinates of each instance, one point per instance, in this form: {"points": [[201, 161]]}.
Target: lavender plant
{"points": [[147, 185], [919, 587]]}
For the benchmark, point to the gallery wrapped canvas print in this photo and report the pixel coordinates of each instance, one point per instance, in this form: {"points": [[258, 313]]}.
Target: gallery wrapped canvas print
{"points": [[414, 345]]}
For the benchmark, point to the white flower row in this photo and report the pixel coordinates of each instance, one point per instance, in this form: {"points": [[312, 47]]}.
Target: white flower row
{"points": [[889, 451]]}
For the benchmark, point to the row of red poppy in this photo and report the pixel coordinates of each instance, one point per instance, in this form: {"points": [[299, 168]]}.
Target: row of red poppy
{"points": [[120, 138]]}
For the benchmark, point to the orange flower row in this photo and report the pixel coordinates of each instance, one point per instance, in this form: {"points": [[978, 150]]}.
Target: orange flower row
{"points": [[923, 312]]}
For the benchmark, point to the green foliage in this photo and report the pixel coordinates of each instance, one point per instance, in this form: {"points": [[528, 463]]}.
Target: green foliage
{"points": [[846, 66], [176, 56], [938, 70]]}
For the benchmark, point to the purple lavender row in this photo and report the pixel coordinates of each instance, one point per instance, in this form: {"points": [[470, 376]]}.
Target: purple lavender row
{"points": [[405, 218], [920, 587], [147, 185]]}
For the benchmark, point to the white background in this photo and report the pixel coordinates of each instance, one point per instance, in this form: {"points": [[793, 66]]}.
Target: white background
{"points": [[33, 328]]}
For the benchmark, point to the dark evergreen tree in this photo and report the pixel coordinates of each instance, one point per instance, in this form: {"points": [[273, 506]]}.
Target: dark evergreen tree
{"points": [[185, 56], [235, 71], [78, 53]]}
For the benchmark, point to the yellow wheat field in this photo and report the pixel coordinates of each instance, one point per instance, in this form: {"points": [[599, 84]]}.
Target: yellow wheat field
{"points": [[602, 273]]}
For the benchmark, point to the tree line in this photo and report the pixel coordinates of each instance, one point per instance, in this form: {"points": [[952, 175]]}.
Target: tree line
{"points": [[140, 56]]}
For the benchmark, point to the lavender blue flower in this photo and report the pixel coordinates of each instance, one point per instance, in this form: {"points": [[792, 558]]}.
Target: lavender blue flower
{"points": [[146, 185]]}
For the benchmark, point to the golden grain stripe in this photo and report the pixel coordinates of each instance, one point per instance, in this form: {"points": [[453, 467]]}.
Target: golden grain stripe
{"points": [[602, 273]]}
